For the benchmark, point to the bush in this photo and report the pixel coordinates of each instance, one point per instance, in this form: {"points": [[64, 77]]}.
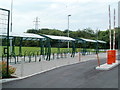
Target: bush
{"points": [[12, 70]]}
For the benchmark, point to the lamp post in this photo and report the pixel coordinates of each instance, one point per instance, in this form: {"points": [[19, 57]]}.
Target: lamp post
{"points": [[11, 14], [110, 42], [97, 42], [11, 27], [68, 32], [119, 31]]}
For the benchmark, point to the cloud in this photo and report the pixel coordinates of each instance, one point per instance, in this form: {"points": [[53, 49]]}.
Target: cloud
{"points": [[53, 13]]}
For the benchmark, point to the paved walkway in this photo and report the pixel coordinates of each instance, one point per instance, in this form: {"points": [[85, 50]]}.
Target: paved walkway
{"points": [[28, 69]]}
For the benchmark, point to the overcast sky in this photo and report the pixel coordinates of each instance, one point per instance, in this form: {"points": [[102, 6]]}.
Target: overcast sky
{"points": [[53, 13]]}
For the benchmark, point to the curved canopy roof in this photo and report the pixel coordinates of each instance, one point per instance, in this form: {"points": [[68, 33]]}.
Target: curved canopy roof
{"points": [[89, 40], [24, 35], [59, 38], [30, 35], [101, 41]]}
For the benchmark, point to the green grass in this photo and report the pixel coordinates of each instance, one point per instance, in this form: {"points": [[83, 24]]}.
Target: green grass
{"points": [[35, 49]]}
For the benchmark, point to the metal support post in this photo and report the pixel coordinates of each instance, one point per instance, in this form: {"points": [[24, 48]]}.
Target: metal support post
{"points": [[58, 53], [42, 47], [48, 50], [22, 66], [84, 48], [73, 49], [20, 48]]}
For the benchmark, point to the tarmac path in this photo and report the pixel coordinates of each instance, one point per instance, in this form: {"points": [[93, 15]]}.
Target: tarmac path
{"points": [[81, 75]]}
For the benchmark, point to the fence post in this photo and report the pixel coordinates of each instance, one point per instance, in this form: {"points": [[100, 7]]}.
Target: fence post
{"points": [[22, 66], [79, 56], [35, 58], [53, 56]]}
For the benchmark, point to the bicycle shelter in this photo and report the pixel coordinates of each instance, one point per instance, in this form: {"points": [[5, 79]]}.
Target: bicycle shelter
{"points": [[45, 44], [22, 36], [59, 39], [84, 42]]}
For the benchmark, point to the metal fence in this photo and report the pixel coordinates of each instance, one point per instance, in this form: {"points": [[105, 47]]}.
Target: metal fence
{"points": [[4, 28]]}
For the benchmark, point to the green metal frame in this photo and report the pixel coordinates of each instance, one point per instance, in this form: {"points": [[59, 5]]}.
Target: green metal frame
{"points": [[42, 46], [20, 47], [8, 11], [73, 49], [13, 45], [85, 43], [48, 49], [97, 47], [13, 48], [58, 46], [84, 47]]}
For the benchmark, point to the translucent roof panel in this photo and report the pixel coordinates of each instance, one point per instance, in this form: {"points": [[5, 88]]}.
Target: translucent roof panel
{"points": [[88, 40], [60, 37], [101, 41], [25, 35]]}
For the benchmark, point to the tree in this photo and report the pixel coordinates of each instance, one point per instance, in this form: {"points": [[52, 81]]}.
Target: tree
{"points": [[32, 31], [87, 33]]}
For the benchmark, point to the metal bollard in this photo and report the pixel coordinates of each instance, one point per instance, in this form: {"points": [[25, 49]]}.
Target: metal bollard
{"points": [[24, 58], [57, 56], [53, 56], [29, 59], [10, 58], [40, 58], [22, 66], [65, 55], [61, 55], [2, 57], [17, 58], [35, 58], [79, 56]]}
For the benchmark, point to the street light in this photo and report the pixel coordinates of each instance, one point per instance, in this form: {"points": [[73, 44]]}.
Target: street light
{"points": [[11, 27], [11, 14], [68, 31]]}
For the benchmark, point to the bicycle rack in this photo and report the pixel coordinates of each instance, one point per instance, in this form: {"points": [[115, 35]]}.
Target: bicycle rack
{"points": [[13, 55], [3, 56], [29, 55], [25, 54], [38, 54], [53, 56]]}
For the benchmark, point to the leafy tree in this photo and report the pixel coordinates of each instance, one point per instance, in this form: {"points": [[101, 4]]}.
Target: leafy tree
{"points": [[32, 31], [87, 33]]}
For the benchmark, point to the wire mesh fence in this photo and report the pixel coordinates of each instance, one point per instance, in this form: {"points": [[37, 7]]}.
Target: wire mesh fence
{"points": [[4, 29], [3, 21]]}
